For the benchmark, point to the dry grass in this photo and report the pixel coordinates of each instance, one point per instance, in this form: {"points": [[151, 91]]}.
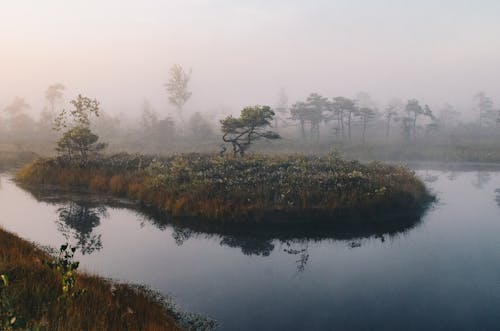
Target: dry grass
{"points": [[34, 289], [219, 188]]}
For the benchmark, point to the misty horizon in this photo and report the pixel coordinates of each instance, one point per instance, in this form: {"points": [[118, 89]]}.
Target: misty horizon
{"points": [[242, 53]]}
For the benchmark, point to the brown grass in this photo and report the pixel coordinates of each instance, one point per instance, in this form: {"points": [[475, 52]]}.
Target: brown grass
{"points": [[227, 188], [34, 289]]}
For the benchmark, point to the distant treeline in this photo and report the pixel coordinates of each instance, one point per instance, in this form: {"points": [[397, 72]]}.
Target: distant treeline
{"points": [[317, 123]]}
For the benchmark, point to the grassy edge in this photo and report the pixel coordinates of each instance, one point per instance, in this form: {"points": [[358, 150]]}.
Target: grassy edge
{"points": [[166, 185], [34, 291]]}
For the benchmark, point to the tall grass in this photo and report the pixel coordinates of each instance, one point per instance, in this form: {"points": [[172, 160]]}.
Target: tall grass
{"points": [[35, 292], [252, 188]]}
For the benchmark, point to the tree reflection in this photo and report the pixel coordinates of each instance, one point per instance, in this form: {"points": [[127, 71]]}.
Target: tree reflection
{"points": [[299, 248], [77, 220], [249, 245], [429, 177], [497, 198], [482, 178], [180, 235], [79, 214]]}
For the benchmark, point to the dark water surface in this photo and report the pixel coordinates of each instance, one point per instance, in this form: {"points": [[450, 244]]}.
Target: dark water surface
{"points": [[439, 272]]}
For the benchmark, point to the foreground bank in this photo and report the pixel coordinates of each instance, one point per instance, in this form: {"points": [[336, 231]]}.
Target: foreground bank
{"points": [[34, 296], [252, 188]]}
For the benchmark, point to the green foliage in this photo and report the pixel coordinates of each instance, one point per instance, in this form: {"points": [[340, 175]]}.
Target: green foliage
{"points": [[83, 108], [8, 317], [66, 267], [311, 112], [36, 293], [78, 143], [241, 132], [222, 188]]}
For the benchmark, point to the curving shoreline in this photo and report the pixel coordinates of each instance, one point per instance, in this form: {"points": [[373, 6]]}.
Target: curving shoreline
{"points": [[256, 188], [34, 292]]}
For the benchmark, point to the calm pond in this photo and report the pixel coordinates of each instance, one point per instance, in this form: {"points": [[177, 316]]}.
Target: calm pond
{"points": [[440, 270]]}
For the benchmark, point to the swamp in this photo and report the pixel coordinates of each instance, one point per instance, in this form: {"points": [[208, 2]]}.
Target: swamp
{"points": [[249, 165]]}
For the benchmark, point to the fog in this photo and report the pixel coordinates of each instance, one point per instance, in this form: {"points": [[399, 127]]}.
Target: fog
{"points": [[243, 52]]}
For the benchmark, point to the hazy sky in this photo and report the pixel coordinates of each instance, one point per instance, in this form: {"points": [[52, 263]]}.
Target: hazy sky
{"points": [[243, 52]]}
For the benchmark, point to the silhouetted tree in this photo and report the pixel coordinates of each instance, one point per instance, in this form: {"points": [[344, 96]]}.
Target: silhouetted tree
{"points": [[366, 114], [391, 114], [344, 107], [413, 110], [313, 111], [241, 132], [485, 108]]}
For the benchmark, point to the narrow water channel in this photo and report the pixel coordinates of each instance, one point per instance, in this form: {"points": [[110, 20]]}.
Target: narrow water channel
{"points": [[439, 271]]}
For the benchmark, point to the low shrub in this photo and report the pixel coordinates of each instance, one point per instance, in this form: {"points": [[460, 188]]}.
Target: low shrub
{"points": [[227, 188]]}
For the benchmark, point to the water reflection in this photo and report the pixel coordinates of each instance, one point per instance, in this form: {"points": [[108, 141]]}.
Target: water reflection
{"points": [[497, 197], [482, 178], [79, 214], [77, 221], [301, 250]]}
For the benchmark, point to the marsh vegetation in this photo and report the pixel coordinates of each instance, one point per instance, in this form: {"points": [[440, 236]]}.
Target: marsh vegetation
{"points": [[231, 188]]}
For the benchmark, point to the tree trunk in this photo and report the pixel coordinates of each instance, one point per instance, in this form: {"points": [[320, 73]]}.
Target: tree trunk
{"points": [[349, 126], [364, 130]]}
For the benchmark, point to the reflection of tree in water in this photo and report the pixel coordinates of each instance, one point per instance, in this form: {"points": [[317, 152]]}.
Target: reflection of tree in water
{"points": [[497, 198], [260, 238], [299, 248], [249, 245], [180, 235], [77, 220], [482, 178], [429, 177], [453, 175]]}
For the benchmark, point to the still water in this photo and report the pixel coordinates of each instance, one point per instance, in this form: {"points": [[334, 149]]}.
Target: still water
{"points": [[441, 270]]}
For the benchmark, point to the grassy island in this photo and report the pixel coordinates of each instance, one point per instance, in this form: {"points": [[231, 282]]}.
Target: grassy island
{"points": [[34, 295], [240, 189]]}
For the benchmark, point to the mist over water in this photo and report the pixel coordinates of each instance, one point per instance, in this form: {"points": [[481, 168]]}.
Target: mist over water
{"points": [[437, 274], [252, 92]]}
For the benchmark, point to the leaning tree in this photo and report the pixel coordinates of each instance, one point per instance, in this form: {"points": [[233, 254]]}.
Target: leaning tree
{"points": [[251, 126]]}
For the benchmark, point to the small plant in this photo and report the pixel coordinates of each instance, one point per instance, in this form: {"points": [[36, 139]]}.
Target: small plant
{"points": [[8, 317], [66, 267]]}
